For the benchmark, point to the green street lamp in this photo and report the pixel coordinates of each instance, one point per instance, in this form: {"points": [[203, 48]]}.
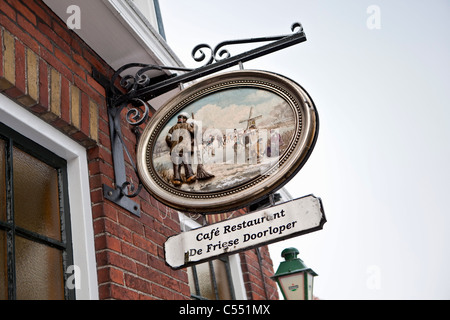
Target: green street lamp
{"points": [[293, 277]]}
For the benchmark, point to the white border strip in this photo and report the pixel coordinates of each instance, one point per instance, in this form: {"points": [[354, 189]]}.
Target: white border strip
{"points": [[44, 134], [144, 33]]}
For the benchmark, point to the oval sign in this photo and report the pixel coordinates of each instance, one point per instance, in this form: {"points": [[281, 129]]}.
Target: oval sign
{"points": [[227, 141]]}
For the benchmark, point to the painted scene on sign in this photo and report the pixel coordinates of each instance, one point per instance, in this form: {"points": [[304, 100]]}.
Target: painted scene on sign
{"points": [[224, 139]]}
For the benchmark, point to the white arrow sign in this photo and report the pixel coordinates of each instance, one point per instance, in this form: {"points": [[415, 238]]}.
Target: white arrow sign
{"points": [[256, 229]]}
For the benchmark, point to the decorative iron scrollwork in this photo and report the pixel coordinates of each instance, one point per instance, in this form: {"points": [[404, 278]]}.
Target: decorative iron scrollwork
{"points": [[132, 83], [137, 85], [136, 116], [218, 53]]}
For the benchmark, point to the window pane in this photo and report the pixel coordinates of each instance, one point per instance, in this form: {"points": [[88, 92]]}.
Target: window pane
{"points": [[36, 195], [2, 182], [39, 272], [223, 284], [3, 267], [205, 281]]}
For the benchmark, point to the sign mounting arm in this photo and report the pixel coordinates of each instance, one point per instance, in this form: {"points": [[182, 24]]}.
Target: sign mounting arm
{"points": [[137, 89]]}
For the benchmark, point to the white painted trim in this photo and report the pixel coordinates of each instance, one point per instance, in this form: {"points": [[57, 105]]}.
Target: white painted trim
{"points": [[237, 277], [147, 9], [144, 33], [30, 126]]}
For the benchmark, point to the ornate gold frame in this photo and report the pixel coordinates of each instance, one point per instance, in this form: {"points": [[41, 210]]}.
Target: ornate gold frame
{"points": [[288, 164]]}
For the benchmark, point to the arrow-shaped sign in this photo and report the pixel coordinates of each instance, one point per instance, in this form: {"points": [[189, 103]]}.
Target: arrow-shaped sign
{"points": [[274, 224]]}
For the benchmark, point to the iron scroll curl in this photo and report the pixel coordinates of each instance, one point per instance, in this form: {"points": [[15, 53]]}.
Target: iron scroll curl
{"points": [[219, 53]]}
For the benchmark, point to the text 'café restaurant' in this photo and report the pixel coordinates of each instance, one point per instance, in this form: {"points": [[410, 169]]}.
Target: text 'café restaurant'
{"points": [[75, 221]]}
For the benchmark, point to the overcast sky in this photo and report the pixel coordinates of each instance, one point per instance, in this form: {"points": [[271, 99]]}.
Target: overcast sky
{"points": [[379, 74]]}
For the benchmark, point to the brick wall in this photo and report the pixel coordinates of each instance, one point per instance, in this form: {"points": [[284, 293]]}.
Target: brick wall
{"points": [[47, 68], [257, 272]]}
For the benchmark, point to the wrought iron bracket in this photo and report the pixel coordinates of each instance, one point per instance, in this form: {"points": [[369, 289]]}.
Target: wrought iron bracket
{"points": [[136, 90]]}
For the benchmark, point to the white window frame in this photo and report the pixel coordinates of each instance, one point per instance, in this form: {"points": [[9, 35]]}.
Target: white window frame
{"points": [[234, 261], [35, 129]]}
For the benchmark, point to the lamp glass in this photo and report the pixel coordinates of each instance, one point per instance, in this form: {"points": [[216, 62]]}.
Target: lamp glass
{"points": [[293, 286]]}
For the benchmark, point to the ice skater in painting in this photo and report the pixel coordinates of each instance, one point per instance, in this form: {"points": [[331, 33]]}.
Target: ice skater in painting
{"points": [[180, 140]]}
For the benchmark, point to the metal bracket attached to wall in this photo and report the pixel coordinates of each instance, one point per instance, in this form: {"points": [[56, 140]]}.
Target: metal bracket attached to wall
{"points": [[139, 88]]}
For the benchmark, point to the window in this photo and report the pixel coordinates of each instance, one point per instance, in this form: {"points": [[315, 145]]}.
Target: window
{"points": [[35, 237], [220, 279], [84, 270], [211, 280]]}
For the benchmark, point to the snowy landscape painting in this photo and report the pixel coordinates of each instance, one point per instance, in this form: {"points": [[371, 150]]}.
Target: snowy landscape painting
{"points": [[224, 139]]}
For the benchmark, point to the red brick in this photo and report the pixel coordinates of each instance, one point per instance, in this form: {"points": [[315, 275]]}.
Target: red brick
{"points": [[75, 45], [146, 297], [52, 35], [79, 136], [158, 263], [99, 226], [19, 33], [63, 32], [39, 11], [23, 10], [113, 244], [131, 223], [68, 61], [144, 244], [95, 61], [80, 83], [97, 181], [94, 84], [103, 275], [10, 12], [122, 293], [1, 53], [138, 284], [183, 295], [116, 275], [81, 61], [134, 253], [103, 125], [31, 29], [169, 282], [104, 291], [56, 63], [109, 212], [63, 57], [155, 236], [104, 139], [161, 292], [117, 230], [106, 169], [121, 262], [105, 241]]}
